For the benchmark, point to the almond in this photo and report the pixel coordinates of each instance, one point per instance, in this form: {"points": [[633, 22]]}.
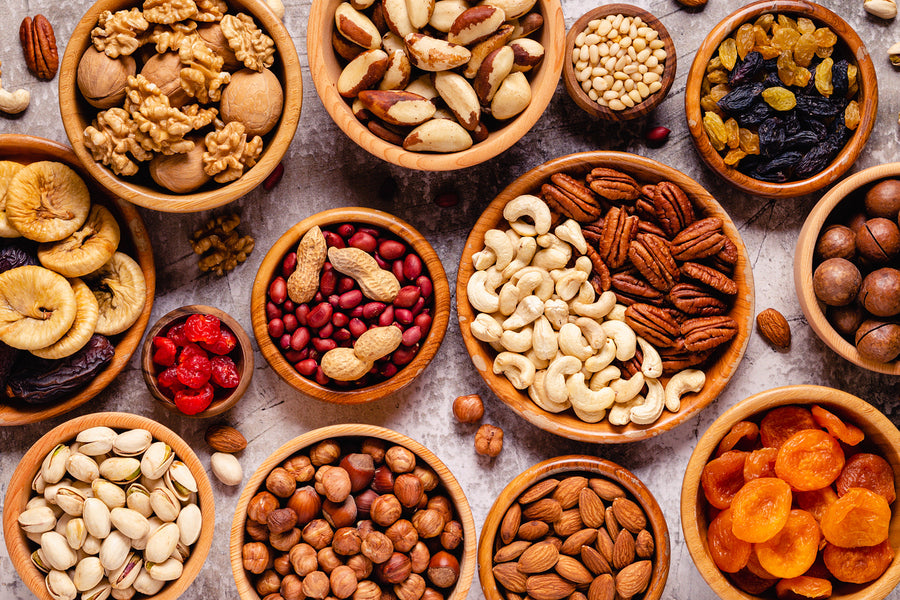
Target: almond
{"points": [[548, 586], [533, 530], [572, 545], [538, 490], [612, 525], [568, 489], [538, 558], [591, 508], [568, 523], [510, 523], [774, 328], [545, 509], [623, 550], [634, 578], [605, 544], [607, 490], [629, 515], [511, 551], [572, 570], [602, 588], [224, 438], [509, 577], [644, 544], [594, 561]]}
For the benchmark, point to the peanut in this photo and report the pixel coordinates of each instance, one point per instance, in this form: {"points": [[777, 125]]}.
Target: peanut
{"points": [[377, 343], [342, 364], [304, 281], [375, 282]]}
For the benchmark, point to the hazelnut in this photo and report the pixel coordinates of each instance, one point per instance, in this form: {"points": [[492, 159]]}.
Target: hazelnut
{"points": [[442, 505], [880, 292], [402, 535], [452, 535], [411, 589], [361, 469], [468, 409], [300, 468], [427, 476], [367, 590], [255, 557], [409, 489], [281, 483], [273, 596], [336, 484], [400, 459], [443, 570], [180, 173], [383, 481], [346, 541], [835, 282], [282, 566], [261, 505], [375, 448], [883, 199], [340, 514], [361, 565], [164, 70], [317, 534], [837, 241], [324, 453], [433, 594], [102, 80], [845, 319], [292, 587], [419, 557], [395, 569], [328, 559], [428, 522], [377, 547], [365, 527], [364, 503], [268, 583], [316, 585], [343, 582], [281, 520], [385, 510], [303, 559], [254, 99], [878, 340], [878, 240], [258, 532], [306, 503], [286, 540], [320, 476]]}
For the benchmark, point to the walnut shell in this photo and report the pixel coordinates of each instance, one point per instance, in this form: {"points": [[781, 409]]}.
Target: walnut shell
{"points": [[212, 34], [254, 99], [102, 79], [180, 173], [164, 70]]}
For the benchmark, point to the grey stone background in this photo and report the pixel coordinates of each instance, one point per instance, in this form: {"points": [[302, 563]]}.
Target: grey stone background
{"points": [[324, 169]]}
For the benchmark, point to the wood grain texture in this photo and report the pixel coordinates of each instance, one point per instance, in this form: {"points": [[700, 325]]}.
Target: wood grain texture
{"points": [[135, 242], [879, 431], [350, 430], [813, 309], [272, 263], [562, 466], [19, 491], [244, 363], [868, 98], [141, 189], [577, 93], [566, 424], [325, 69]]}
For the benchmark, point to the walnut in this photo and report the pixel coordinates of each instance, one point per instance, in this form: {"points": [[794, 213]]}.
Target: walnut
{"points": [[210, 10], [164, 70], [164, 126], [169, 11], [112, 136], [250, 44], [215, 39], [170, 37], [119, 33], [255, 99], [228, 152], [202, 76], [102, 79], [180, 173]]}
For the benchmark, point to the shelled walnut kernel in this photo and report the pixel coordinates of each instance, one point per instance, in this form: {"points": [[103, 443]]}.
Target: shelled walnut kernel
{"points": [[220, 246]]}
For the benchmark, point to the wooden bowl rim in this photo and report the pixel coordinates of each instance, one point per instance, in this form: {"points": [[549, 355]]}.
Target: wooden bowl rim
{"points": [[803, 262], [244, 366], [564, 424], [454, 489], [865, 416], [543, 86], [132, 222], [428, 347], [20, 489], [868, 99], [575, 464], [154, 197], [576, 92]]}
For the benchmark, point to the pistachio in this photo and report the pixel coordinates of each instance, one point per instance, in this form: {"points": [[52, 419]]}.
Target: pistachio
{"points": [[38, 484], [165, 504], [82, 467], [51, 489], [37, 520], [894, 54], [108, 492], [37, 559], [99, 592], [121, 470], [70, 500], [96, 517], [138, 498], [156, 460], [91, 545], [189, 524], [60, 586], [883, 9], [146, 585], [122, 577], [96, 440], [226, 468], [54, 466], [180, 480], [168, 570], [132, 443], [126, 594], [57, 552], [61, 521], [181, 552], [88, 573], [130, 522], [162, 543], [114, 550], [76, 533]]}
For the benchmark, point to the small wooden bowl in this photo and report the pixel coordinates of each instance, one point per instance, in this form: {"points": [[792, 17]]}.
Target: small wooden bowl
{"points": [[325, 68], [868, 98], [140, 189], [813, 309], [566, 424], [694, 523], [577, 93], [257, 482], [136, 242], [19, 491], [588, 466], [243, 362], [271, 265]]}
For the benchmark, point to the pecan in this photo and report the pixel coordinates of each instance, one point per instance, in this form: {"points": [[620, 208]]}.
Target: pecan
{"points": [[729, 253], [613, 185], [709, 276], [651, 227], [700, 239], [643, 207], [593, 232], [601, 271], [694, 300], [618, 230], [573, 199], [651, 257], [630, 367], [630, 289], [706, 333], [654, 324], [39, 45], [678, 359], [674, 210]]}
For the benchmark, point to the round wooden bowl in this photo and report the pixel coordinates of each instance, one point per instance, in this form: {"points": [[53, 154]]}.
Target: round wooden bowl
{"points": [[135, 242], [868, 98], [880, 433], [803, 267], [566, 424], [325, 68], [19, 491], [243, 360], [451, 486], [577, 93], [271, 265], [141, 189], [588, 466]]}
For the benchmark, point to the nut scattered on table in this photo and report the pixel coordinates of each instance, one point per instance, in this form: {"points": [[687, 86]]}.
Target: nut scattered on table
{"points": [[39, 46], [225, 438], [489, 440], [468, 408], [883, 9], [13, 102], [220, 245], [774, 328]]}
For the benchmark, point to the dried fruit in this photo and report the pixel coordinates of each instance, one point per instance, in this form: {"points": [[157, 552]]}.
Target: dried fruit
{"points": [[779, 98], [760, 509], [858, 565], [722, 477], [781, 423], [845, 432], [868, 471], [791, 551], [715, 129], [816, 502], [803, 586], [728, 552], [760, 463], [728, 53], [823, 77], [809, 460], [743, 431], [858, 518]]}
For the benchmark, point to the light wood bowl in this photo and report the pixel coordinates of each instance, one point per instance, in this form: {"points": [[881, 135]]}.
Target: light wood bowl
{"points": [[868, 98], [141, 189], [19, 491], [566, 424], [271, 265], [577, 93], [325, 68], [243, 360], [451, 486], [135, 242], [879, 431], [588, 466]]}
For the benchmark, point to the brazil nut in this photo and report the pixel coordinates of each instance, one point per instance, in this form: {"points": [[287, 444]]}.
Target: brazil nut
{"points": [[433, 54], [438, 135], [362, 73], [356, 27], [476, 24], [397, 107], [460, 98]]}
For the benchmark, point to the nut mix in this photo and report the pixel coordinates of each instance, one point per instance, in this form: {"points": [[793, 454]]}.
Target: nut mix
{"points": [[112, 512], [353, 517], [797, 500], [780, 99]]}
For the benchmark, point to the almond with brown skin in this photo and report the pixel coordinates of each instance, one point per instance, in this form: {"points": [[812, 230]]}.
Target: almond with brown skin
{"points": [[545, 509], [634, 578], [623, 550], [509, 526], [538, 491], [510, 577], [511, 551], [568, 523], [605, 544], [594, 561], [607, 490], [602, 588], [538, 558], [572, 570], [593, 513], [567, 491], [533, 530], [629, 515], [774, 328], [224, 438], [644, 544], [572, 544], [612, 525], [548, 586]]}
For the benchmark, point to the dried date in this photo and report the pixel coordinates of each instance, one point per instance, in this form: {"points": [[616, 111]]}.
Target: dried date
{"points": [[43, 381]]}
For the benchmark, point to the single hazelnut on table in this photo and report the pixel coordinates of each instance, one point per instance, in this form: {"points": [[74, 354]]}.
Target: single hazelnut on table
{"points": [[836, 282], [102, 80], [180, 173], [878, 340], [837, 241], [883, 199], [489, 440], [254, 99], [878, 240], [845, 319], [468, 409], [880, 292]]}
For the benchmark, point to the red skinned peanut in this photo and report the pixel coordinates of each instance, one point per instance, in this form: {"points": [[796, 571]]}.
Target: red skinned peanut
{"points": [[412, 267], [425, 285], [333, 240], [391, 250], [302, 312], [386, 317], [289, 264], [300, 339], [327, 283], [373, 309], [350, 299], [407, 296], [278, 290], [404, 354], [346, 230], [320, 315], [412, 336], [364, 241], [339, 319], [404, 316], [276, 328]]}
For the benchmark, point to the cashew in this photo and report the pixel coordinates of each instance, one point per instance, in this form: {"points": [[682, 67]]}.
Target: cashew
{"points": [[485, 328], [620, 414], [13, 103], [528, 206], [544, 343], [525, 249], [529, 309], [592, 332], [517, 341], [623, 336], [555, 379], [555, 255], [688, 380], [602, 378], [583, 263], [533, 280], [570, 231], [572, 343], [652, 365], [568, 285], [600, 361], [509, 298], [617, 313], [484, 259], [516, 368], [589, 405], [481, 295], [538, 394], [595, 310], [557, 312], [501, 245], [538, 362], [626, 389], [497, 346], [586, 293], [495, 278], [513, 237], [654, 403]]}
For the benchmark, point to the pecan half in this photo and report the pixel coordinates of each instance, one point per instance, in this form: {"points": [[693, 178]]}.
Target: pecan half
{"points": [[593, 232], [678, 359], [600, 272], [729, 253], [653, 323], [697, 301], [39, 46], [573, 199], [643, 207], [618, 230], [651, 227], [613, 185], [711, 277], [630, 289], [706, 333], [698, 240], [651, 257], [674, 210]]}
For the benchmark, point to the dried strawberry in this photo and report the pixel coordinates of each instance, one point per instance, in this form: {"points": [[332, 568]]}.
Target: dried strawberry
{"points": [[189, 350], [202, 328], [165, 351], [225, 344], [194, 372], [224, 372], [191, 402], [176, 334], [168, 379]]}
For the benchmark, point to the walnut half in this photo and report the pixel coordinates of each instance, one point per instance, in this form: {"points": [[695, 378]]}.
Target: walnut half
{"points": [[228, 152]]}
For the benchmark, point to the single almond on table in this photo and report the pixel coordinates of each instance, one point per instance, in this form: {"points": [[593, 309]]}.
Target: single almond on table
{"points": [[774, 328], [224, 438]]}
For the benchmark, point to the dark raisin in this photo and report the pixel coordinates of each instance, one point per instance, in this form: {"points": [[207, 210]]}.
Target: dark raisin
{"points": [[792, 124], [819, 106], [771, 137], [817, 127], [813, 161], [839, 78], [781, 163], [758, 112], [740, 99], [773, 80], [746, 70], [802, 140]]}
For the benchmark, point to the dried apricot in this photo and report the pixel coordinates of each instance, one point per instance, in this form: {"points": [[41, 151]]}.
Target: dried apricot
{"points": [[809, 460], [728, 552], [858, 565], [744, 431], [846, 432], [757, 569], [858, 518], [816, 501], [722, 477], [760, 463], [783, 422], [868, 471], [791, 551], [760, 509], [803, 587], [750, 583]]}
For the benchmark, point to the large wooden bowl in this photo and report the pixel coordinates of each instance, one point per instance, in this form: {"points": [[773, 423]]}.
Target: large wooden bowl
{"points": [[868, 98], [880, 433], [566, 424], [135, 242], [588, 466], [19, 491], [573, 86], [325, 68], [271, 265], [141, 189], [451, 486]]}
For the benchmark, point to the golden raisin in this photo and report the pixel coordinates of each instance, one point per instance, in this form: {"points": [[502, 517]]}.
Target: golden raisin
{"points": [[732, 127], [734, 156], [851, 115], [760, 37], [768, 52], [715, 129], [714, 64], [804, 25], [787, 22], [825, 37], [802, 76], [785, 39], [852, 72], [749, 141], [719, 76], [765, 21], [779, 98], [787, 68], [805, 49], [823, 77], [728, 54], [824, 52], [744, 40]]}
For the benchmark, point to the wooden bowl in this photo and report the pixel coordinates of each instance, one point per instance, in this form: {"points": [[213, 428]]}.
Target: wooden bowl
{"points": [[879, 431], [588, 466], [271, 266], [141, 189], [19, 491], [325, 68], [868, 98], [577, 93], [451, 486], [243, 359], [566, 424], [135, 242]]}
